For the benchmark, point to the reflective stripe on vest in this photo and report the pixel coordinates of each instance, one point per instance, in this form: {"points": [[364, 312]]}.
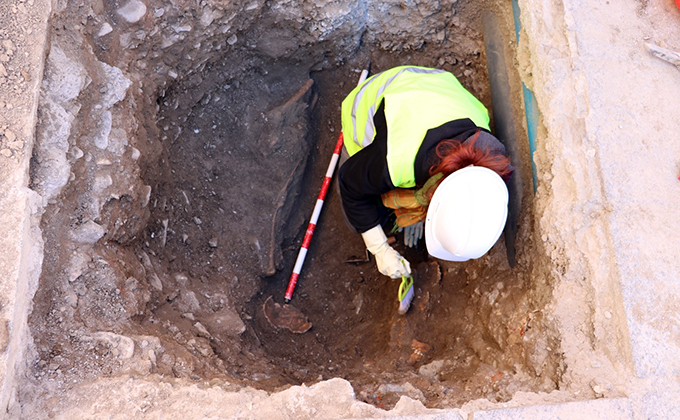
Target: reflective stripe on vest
{"points": [[419, 99]]}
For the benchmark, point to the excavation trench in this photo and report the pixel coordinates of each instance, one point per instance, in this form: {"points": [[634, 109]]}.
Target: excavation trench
{"points": [[189, 210]]}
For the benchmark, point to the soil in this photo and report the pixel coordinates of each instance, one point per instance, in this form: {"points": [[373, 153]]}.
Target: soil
{"points": [[234, 155]]}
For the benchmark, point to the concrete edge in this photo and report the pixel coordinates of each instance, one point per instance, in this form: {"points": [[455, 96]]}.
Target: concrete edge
{"points": [[21, 238]]}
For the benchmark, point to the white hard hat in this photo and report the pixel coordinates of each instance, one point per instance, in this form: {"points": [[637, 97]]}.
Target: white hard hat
{"points": [[466, 215]]}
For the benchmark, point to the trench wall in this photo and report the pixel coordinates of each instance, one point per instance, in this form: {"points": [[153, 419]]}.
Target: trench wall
{"points": [[23, 43]]}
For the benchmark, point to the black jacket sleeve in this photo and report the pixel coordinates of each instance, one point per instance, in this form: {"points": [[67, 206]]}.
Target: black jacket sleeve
{"points": [[364, 178]]}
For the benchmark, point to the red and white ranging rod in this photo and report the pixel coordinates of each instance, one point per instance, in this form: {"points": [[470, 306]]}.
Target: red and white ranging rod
{"points": [[317, 210]]}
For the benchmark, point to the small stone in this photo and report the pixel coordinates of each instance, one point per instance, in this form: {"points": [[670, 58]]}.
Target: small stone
{"points": [[202, 331], [152, 356], [135, 153], [607, 314], [88, 233], [597, 389], [431, 370], [232, 39], [9, 46], [105, 29], [182, 28], [145, 195], [133, 11], [6, 153], [16, 145], [77, 153], [213, 243], [101, 182]]}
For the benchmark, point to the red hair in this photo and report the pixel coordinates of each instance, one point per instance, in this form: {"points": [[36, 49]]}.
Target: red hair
{"points": [[456, 155]]}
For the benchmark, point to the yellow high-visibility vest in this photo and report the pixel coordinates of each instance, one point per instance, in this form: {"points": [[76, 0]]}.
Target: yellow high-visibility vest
{"points": [[417, 99]]}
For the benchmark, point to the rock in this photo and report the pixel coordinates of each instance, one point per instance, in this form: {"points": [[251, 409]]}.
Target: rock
{"points": [[431, 370], [116, 85], [182, 279], [16, 145], [133, 11], [122, 346], [151, 355], [105, 29], [202, 331], [6, 153], [189, 302], [64, 77], [101, 182], [88, 233], [101, 139], [145, 195], [154, 281], [135, 153], [182, 28], [9, 46], [225, 321]]}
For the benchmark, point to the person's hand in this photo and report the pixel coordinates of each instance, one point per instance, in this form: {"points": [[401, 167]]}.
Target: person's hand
{"points": [[413, 233], [389, 261]]}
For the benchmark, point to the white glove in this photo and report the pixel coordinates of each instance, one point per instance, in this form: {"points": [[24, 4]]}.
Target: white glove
{"points": [[389, 262]]}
